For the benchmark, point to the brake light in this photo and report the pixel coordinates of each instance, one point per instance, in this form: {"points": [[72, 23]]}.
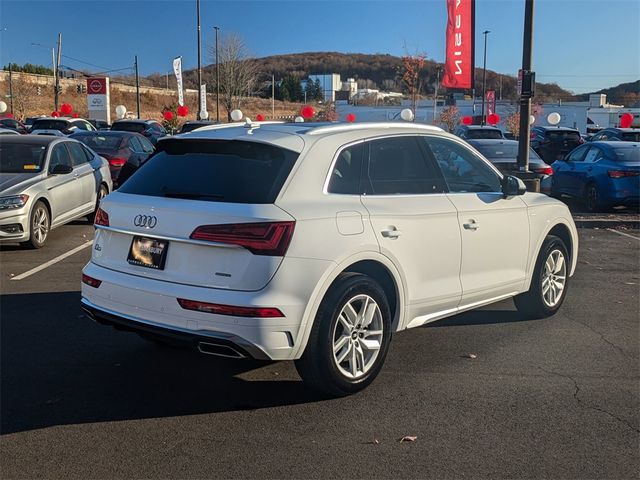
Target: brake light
{"points": [[268, 238], [117, 162], [623, 173], [544, 170], [234, 311], [581, 141], [92, 282], [102, 218]]}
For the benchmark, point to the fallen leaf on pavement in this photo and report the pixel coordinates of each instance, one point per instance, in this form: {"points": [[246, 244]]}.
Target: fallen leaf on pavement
{"points": [[408, 438], [470, 355]]}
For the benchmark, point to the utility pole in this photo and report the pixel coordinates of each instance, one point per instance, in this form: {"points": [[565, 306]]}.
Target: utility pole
{"points": [[435, 96], [273, 97], [57, 73], [484, 73], [200, 112], [10, 88], [137, 86], [528, 82], [217, 79], [500, 97]]}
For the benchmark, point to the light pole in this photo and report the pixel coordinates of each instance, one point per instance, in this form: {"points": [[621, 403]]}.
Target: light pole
{"points": [[199, 65], [484, 72], [217, 79]]}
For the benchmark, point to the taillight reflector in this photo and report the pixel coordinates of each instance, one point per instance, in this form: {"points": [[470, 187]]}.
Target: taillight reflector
{"points": [[117, 162], [623, 173], [544, 170], [234, 311], [268, 238], [92, 282], [102, 218]]}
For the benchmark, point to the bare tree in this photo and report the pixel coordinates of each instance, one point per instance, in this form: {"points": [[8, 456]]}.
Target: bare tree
{"points": [[25, 96], [238, 72]]}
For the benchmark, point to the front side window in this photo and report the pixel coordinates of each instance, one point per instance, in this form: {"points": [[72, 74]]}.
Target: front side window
{"points": [[594, 155], [135, 145], [398, 166], [78, 156], [462, 169], [59, 156], [347, 170]]}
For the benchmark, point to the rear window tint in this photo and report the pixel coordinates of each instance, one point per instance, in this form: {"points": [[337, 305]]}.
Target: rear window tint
{"points": [[480, 133], [563, 135], [631, 136], [214, 170], [61, 125], [627, 154], [129, 127], [100, 142]]}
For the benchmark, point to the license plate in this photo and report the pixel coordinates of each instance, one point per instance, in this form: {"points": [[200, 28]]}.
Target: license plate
{"points": [[148, 252]]}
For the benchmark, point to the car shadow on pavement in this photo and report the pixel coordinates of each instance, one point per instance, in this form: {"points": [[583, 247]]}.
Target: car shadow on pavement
{"points": [[60, 368]]}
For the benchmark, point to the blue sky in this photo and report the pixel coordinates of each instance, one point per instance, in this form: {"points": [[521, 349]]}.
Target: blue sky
{"points": [[582, 45]]}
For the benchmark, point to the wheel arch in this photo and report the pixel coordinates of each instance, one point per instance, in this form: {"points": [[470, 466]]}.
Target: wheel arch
{"points": [[370, 263]]}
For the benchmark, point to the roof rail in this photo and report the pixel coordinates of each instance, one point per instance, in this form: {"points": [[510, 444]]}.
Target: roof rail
{"points": [[345, 127], [241, 123]]}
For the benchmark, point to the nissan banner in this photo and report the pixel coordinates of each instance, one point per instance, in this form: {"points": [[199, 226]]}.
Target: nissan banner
{"points": [[459, 63], [177, 69]]}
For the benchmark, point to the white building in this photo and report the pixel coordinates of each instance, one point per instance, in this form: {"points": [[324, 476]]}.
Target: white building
{"points": [[330, 84]]}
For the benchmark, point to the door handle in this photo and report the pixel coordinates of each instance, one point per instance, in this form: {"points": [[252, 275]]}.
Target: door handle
{"points": [[391, 232], [471, 225]]}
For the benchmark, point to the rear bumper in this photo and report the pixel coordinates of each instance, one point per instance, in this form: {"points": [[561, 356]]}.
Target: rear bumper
{"points": [[223, 344]]}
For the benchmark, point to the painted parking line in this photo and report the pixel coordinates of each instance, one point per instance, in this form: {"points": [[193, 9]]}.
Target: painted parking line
{"points": [[53, 261], [623, 234]]}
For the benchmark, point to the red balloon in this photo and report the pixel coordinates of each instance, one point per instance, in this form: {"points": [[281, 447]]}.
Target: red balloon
{"points": [[75, 115], [260, 117], [66, 109], [626, 119], [493, 119], [9, 115], [467, 120], [307, 111], [168, 115], [183, 111], [350, 117], [55, 114]]}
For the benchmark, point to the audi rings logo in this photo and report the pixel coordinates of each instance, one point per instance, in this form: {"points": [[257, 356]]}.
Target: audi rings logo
{"points": [[146, 221]]}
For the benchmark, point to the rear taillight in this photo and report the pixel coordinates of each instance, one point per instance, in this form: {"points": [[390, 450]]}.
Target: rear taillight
{"points": [[92, 282], [102, 218], [623, 173], [117, 162], [581, 141], [269, 238], [234, 311], [544, 170]]}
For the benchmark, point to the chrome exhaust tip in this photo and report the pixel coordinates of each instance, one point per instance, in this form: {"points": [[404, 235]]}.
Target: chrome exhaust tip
{"points": [[219, 350]]}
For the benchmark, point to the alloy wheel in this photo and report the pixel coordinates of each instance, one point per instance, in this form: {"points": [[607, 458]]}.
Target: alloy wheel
{"points": [[40, 225], [357, 336], [554, 277]]}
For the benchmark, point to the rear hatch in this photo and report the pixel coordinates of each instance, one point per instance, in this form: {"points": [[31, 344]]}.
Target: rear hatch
{"points": [[202, 213], [562, 142]]}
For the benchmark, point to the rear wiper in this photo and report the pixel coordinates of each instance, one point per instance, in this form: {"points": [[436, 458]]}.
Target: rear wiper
{"points": [[191, 195]]}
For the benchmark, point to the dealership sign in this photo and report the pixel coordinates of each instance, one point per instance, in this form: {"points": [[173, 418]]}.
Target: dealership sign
{"points": [[98, 98], [459, 63]]}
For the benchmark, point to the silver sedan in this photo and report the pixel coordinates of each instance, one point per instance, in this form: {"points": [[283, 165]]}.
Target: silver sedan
{"points": [[46, 182]]}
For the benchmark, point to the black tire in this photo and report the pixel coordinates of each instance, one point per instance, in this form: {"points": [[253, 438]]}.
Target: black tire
{"points": [[592, 200], [103, 191], [317, 367], [38, 220], [532, 303]]}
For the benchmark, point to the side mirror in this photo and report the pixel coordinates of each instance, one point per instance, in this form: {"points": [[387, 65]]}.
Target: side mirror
{"points": [[512, 186], [61, 169]]}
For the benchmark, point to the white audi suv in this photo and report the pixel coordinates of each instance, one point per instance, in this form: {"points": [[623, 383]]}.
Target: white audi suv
{"points": [[317, 242]]}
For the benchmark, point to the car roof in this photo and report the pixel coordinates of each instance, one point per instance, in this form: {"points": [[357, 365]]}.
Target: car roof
{"points": [[104, 133], [555, 128], [620, 129], [615, 144], [293, 136], [481, 127], [31, 139]]}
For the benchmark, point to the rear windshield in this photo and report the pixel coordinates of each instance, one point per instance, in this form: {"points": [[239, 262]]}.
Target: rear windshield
{"points": [[22, 157], [129, 127], [627, 154], [61, 125], [188, 127], [631, 136], [214, 170], [480, 133], [100, 142], [563, 135], [503, 152]]}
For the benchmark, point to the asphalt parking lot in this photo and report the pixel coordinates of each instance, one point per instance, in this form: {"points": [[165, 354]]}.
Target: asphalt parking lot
{"points": [[553, 398]]}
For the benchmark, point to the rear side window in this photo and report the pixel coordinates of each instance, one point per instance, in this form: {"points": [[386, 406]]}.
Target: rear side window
{"points": [[214, 170], [128, 127], [346, 173], [563, 135], [631, 136], [397, 166]]}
